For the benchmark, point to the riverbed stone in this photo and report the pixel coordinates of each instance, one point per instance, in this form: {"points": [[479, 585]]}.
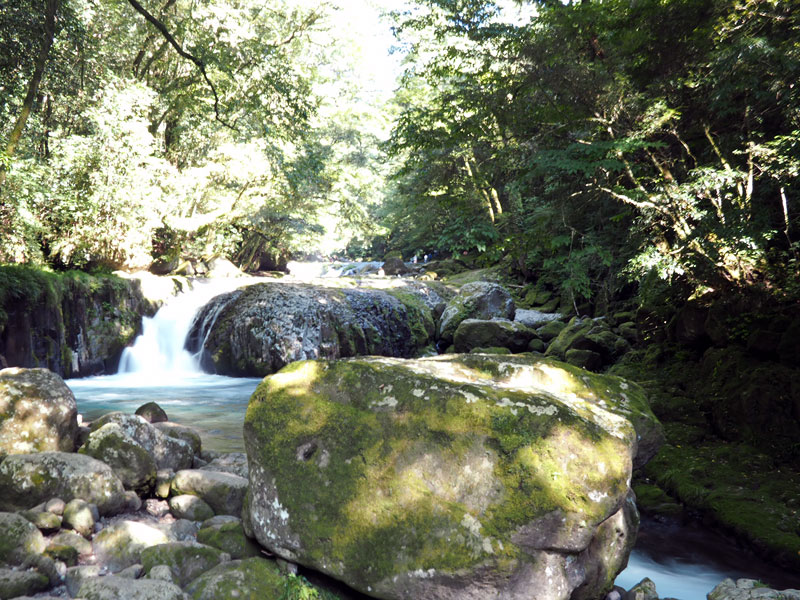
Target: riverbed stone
{"points": [[18, 582], [644, 590], [229, 462], [456, 476], [152, 413], [476, 300], [78, 515], [167, 452], [75, 576], [120, 545], [224, 492], [186, 560], [111, 587], [28, 479], [38, 412], [482, 333], [20, 538], [134, 465], [65, 553], [182, 432], [229, 537], [55, 506], [248, 578], [187, 506], [69, 538], [750, 589], [46, 522]]}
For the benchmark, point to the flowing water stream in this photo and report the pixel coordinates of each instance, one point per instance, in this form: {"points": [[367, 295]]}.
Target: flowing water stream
{"points": [[683, 561]]}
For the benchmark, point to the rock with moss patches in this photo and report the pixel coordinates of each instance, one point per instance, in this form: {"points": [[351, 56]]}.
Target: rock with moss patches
{"points": [[28, 479], [152, 413], [249, 579], [750, 589], [186, 560], [260, 329], [229, 462], [224, 492], [190, 507], [82, 546], [476, 300], [471, 476], [112, 587], [20, 538], [130, 461], [181, 432], [80, 516], [45, 521], [120, 545], [229, 537], [480, 333], [14, 583], [167, 452], [37, 412]]}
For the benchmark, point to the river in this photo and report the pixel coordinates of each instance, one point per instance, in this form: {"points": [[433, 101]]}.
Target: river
{"points": [[685, 561]]}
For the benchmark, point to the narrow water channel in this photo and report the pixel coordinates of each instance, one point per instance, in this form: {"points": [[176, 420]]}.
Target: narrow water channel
{"points": [[684, 560]]}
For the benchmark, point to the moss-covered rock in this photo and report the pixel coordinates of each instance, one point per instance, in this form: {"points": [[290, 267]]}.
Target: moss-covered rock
{"points": [[63, 552], [182, 432], [480, 333], [407, 479], [186, 560], [20, 538], [168, 452], [44, 521], [120, 545], [750, 589], [130, 461], [152, 413], [476, 300], [80, 516], [15, 583], [229, 537], [82, 546], [224, 492], [249, 579], [190, 507], [37, 412], [29, 479], [551, 330], [259, 329]]}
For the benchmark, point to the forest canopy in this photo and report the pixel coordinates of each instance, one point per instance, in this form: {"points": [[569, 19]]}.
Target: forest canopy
{"points": [[589, 144]]}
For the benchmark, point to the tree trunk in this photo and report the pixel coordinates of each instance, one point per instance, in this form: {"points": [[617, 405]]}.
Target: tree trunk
{"points": [[33, 86]]}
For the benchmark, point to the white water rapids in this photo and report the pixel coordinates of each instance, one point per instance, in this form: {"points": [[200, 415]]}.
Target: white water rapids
{"points": [[158, 368]]}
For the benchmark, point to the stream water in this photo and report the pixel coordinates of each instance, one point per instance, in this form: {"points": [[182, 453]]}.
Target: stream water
{"points": [[685, 562]]}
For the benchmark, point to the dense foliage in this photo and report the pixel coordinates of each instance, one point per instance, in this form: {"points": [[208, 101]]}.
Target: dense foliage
{"points": [[135, 131], [637, 137]]}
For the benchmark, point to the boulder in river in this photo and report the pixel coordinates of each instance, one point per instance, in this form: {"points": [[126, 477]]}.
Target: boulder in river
{"points": [[223, 492], [37, 412], [260, 329], [469, 476], [28, 479], [476, 300], [481, 333]]}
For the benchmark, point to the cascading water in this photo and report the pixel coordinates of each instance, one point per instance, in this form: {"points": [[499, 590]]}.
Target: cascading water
{"points": [[159, 351]]}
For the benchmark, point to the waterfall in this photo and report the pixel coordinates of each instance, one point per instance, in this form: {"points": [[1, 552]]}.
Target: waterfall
{"points": [[159, 351]]}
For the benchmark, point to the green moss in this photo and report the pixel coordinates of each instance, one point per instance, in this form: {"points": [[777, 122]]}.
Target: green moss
{"points": [[250, 579], [420, 318], [230, 538], [374, 499]]}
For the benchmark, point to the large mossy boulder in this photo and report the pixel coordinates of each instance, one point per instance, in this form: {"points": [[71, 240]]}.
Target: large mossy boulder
{"points": [[38, 412], [476, 300], [249, 579], [480, 333], [260, 329], [30, 479], [587, 343], [452, 477], [130, 461], [20, 539], [167, 452], [186, 560]]}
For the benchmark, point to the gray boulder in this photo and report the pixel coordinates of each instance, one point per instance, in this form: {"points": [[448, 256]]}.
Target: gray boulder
{"points": [[394, 266], [120, 545], [468, 476], [224, 492], [230, 462], [260, 329], [167, 452], [229, 537], [152, 413], [749, 589], [20, 538], [186, 560], [28, 479], [479, 333], [182, 432], [15, 582], [190, 507], [38, 412], [80, 516], [112, 587], [130, 461], [477, 300]]}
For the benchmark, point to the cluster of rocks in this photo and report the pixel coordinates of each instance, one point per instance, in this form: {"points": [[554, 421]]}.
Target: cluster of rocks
{"points": [[728, 589], [483, 318], [139, 511]]}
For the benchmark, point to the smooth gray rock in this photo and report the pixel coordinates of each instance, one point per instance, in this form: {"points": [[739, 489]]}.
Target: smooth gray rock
{"points": [[230, 462], [120, 545], [748, 589], [38, 412], [187, 506], [152, 413], [18, 582], [27, 479], [134, 465], [19, 538], [74, 540], [224, 492], [78, 515], [182, 432], [477, 300], [112, 587]]}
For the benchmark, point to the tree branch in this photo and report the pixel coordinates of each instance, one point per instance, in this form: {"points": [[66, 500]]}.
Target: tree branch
{"points": [[184, 54]]}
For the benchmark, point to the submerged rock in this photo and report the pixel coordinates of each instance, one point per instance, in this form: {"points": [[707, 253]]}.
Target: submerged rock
{"points": [[38, 412], [262, 328], [28, 479], [469, 476]]}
